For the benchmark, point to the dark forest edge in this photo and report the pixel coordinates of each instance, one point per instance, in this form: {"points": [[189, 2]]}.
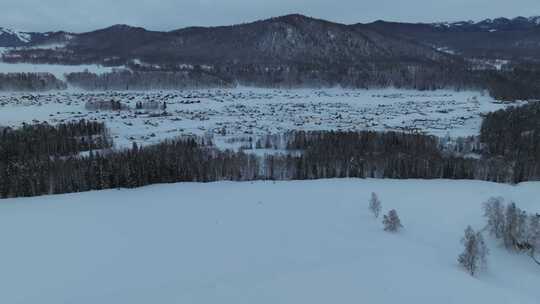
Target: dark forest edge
{"points": [[42, 159], [519, 83]]}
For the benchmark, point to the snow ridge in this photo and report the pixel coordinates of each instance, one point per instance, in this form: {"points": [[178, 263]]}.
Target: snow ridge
{"points": [[24, 37]]}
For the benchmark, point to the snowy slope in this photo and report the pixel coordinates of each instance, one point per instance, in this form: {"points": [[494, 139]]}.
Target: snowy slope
{"points": [[11, 37], [263, 242]]}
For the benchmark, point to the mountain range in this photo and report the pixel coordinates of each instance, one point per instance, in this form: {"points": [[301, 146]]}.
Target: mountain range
{"points": [[293, 38], [286, 39], [500, 38], [296, 50]]}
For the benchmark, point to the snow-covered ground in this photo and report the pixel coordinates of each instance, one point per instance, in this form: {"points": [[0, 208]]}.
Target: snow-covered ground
{"points": [[253, 112], [260, 242]]}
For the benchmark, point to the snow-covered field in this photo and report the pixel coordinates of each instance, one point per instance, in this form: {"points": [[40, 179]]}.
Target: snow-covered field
{"points": [[261, 242], [253, 112]]}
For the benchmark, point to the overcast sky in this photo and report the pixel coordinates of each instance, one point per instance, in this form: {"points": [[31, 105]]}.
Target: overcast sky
{"points": [[85, 15]]}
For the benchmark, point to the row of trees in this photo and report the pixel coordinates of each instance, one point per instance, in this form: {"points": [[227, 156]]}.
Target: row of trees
{"points": [[517, 230], [327, 154], [43, 141], [171, 161], [513, 135], [30, 82], [519, 83], [322, 155], [140, 80], [27, 154], [513, 132]]}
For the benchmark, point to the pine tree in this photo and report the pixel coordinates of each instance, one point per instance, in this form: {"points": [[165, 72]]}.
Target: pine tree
{"points": [[391, 221], [375, 205]]}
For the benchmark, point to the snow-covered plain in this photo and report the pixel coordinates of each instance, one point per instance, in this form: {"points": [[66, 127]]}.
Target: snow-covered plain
{"points": [[259, 242], [252, 112]]}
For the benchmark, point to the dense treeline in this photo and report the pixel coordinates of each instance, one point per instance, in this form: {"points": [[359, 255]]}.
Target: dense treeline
{"points": [[43, 159], [30, 82], [381, 155], [367, 76], [145, 80], [519, 82], [35, 141], [29, 154], [167, 162], [325, 155], [513, 134], [514, 84]]}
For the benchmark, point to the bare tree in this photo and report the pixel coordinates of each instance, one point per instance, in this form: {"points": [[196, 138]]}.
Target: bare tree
{"points": [[494, 212], [511, 228], [474, 256], [375, 205], [533, 237]]}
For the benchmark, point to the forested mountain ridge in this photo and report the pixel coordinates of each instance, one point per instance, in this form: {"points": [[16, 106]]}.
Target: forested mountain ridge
{"points": [[499, 38], [300, 51], [15, 38], [293, 37], [282, 40]]}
